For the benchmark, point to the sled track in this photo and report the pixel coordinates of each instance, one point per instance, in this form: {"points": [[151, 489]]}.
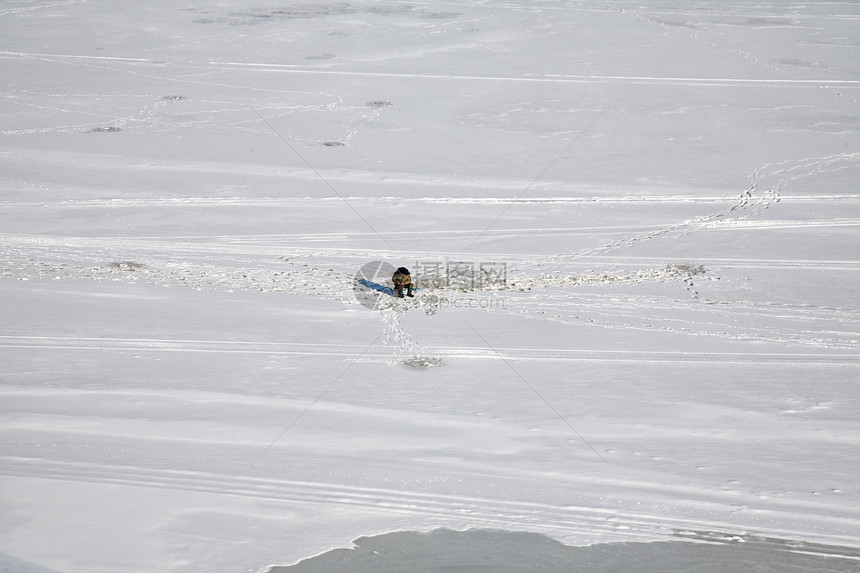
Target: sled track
{"points": [[448, 235], [547, 78], [484, 512], [286, 202], [214, 246], [452, 352], [559, 520], [252, 67]]}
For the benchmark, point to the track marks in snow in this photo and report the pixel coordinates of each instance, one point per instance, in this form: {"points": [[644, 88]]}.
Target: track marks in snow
{"points": [[580, 518], [26, 251], [556, 78], [814, 326], [705, 25], [749, 204], [390, 351], [246, 112], [609, 200], [550, 287], [477, 511], [11, 11], [694, 302], [148, 111], [230, 273]]}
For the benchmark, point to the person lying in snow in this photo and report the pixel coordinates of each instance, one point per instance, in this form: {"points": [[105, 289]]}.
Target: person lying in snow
{"points": [[402, 279]]}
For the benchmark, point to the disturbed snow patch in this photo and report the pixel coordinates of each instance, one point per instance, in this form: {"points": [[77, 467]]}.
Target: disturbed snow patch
{"points": [[126, 266]]}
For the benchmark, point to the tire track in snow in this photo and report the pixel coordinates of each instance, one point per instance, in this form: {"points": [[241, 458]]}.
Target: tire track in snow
{"points": [[547, 78], [164, 345], [488, 511], [820, 327], [568, 519], [235, 245], [464, 234], [205, 201], [475, 510]]}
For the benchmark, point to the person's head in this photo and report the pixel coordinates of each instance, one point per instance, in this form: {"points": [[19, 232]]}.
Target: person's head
{"points": [[403, 271]]}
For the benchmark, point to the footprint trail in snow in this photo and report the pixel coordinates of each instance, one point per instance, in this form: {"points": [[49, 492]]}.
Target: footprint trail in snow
{"points": [[409, 352]]}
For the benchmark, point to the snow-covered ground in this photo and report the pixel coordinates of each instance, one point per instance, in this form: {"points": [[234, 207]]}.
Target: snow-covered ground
{"points": [[192, 381]]}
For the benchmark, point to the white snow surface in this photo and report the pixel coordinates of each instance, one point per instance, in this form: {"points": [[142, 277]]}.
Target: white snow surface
{"points": [[187, 190]]}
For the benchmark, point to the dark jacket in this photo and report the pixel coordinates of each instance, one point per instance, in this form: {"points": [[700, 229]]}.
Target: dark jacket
{"points": [[402, 279]]}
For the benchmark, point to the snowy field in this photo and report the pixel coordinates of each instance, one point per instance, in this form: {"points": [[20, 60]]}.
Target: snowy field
{"points": [[635, 228]]}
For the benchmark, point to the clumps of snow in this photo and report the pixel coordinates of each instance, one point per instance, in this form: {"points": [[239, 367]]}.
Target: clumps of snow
{"points": [[297, 279], [421, 362], [378, 103], [333, 144], [685, 269], [111, 129], [126, 266], [174, 98]]}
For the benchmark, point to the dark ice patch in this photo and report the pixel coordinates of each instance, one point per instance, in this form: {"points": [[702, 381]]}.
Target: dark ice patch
{"points": [[492, 551]]}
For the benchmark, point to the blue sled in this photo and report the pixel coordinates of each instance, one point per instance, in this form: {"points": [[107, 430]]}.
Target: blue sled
{"points": [[378, 287]]}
